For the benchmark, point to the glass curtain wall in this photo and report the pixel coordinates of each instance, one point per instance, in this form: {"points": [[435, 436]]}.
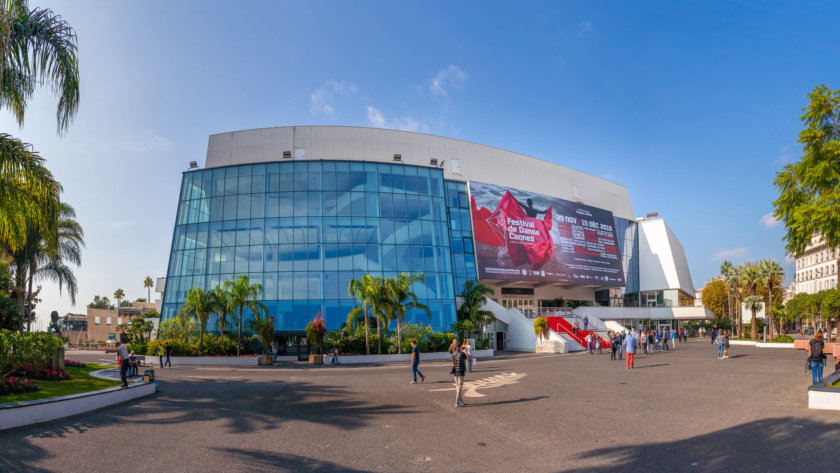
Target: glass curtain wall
{"points": [[305, 229]]}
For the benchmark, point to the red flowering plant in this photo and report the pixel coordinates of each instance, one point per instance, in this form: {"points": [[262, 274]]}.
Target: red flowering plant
{"points": [[315, 331], [15, 385], [75, 363]]}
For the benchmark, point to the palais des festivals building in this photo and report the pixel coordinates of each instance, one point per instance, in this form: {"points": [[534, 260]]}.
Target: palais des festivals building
{"points": [[303, 210]]}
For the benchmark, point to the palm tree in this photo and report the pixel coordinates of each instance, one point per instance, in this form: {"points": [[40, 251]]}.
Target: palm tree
{"points": [[754, 303], [725, 268], [37, 46], [400, 297], [29, 194], [148, 283], [199, 304], [49, 257], [264, 328], [772, 274], [473, 299], [220, 308], [751, 278], [369, 293], [118, 295], [241, 294], [734, 277]]}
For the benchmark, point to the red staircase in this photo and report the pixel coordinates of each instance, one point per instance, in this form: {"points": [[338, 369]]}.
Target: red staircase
{"points": [[561, 325]]}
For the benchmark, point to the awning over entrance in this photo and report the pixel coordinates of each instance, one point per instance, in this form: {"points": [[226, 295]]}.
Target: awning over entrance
{"points": [[647, 313]]}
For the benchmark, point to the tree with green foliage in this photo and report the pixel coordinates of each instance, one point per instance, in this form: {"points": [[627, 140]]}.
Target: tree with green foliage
{"points": [[473, 298], [751, 278], [36, 47], [541, 327], [716, 298], [399, 298], [772, 275], [242, 294], [734, 278], [119, 294], [754, 303], [368, 292], [220, 308], [199, 304], [148, 283], [725, 268], [809, 189], [101, 302]]}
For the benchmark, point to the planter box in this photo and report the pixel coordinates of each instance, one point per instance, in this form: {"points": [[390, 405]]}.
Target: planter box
{"points": [[405, 357], [42, 410], [316, 359], [265, 360], [820, 396]]}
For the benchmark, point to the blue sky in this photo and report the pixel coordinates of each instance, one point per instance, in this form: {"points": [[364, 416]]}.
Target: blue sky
{"points": [[693, 105]]}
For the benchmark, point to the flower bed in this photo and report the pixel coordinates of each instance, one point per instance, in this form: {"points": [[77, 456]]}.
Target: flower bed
{"points": [[28, 371], [16, 385]]}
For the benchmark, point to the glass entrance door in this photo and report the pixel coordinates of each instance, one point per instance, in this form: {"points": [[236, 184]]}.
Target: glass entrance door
{"points": [[526, 306]]}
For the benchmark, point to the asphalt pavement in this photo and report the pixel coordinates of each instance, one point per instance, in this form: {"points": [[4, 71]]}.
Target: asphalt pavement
{"points": [[682, 410]]}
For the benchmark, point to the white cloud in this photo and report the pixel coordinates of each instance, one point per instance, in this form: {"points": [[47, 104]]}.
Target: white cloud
{"points": [[321, 101], [731, 253], [790, 260], [452, 76], [376, 119], [769, 221], [584, 28]]}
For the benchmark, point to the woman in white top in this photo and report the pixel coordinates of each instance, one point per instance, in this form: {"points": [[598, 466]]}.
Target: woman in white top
{"points": [[468, 349]]}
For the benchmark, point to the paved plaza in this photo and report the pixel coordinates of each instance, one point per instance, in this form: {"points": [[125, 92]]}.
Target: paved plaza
{"points": [[683, 410]]}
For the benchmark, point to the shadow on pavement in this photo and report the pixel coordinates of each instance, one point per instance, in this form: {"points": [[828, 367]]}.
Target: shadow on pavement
{"points": [[651, 366], [242, 406], [511, 401], [261, 460], [782, 444]]}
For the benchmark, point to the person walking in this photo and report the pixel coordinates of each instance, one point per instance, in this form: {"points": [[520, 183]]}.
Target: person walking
{"points": [[415, 363], [621, 338], [274, 352], [459, 371], [453, 347], [168, 351], [725, 335], [630, 348], [576, 327], [599, 345], [585, 322], [122, 352], [816, 357], [719, 340], [613, 346], [468, 349], [588, 340], [160, 352]]}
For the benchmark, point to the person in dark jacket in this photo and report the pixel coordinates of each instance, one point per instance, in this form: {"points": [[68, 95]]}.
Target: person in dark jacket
{"points": [[459, 370], [817, 357]]}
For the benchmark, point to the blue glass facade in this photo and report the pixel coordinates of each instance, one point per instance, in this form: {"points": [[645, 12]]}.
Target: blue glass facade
{"points": [[305, 229]]}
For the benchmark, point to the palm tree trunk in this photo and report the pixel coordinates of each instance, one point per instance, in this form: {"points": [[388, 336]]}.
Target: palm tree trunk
{"points": [[399, 337], [149, 294], [239, 334], [753, 320], [367, 336], [770, 311], [378, 338], [28, 309]]}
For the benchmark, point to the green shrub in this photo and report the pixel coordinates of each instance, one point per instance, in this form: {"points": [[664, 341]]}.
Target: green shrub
{"points": [[35, 349], [783, 339], [482, 344]]}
